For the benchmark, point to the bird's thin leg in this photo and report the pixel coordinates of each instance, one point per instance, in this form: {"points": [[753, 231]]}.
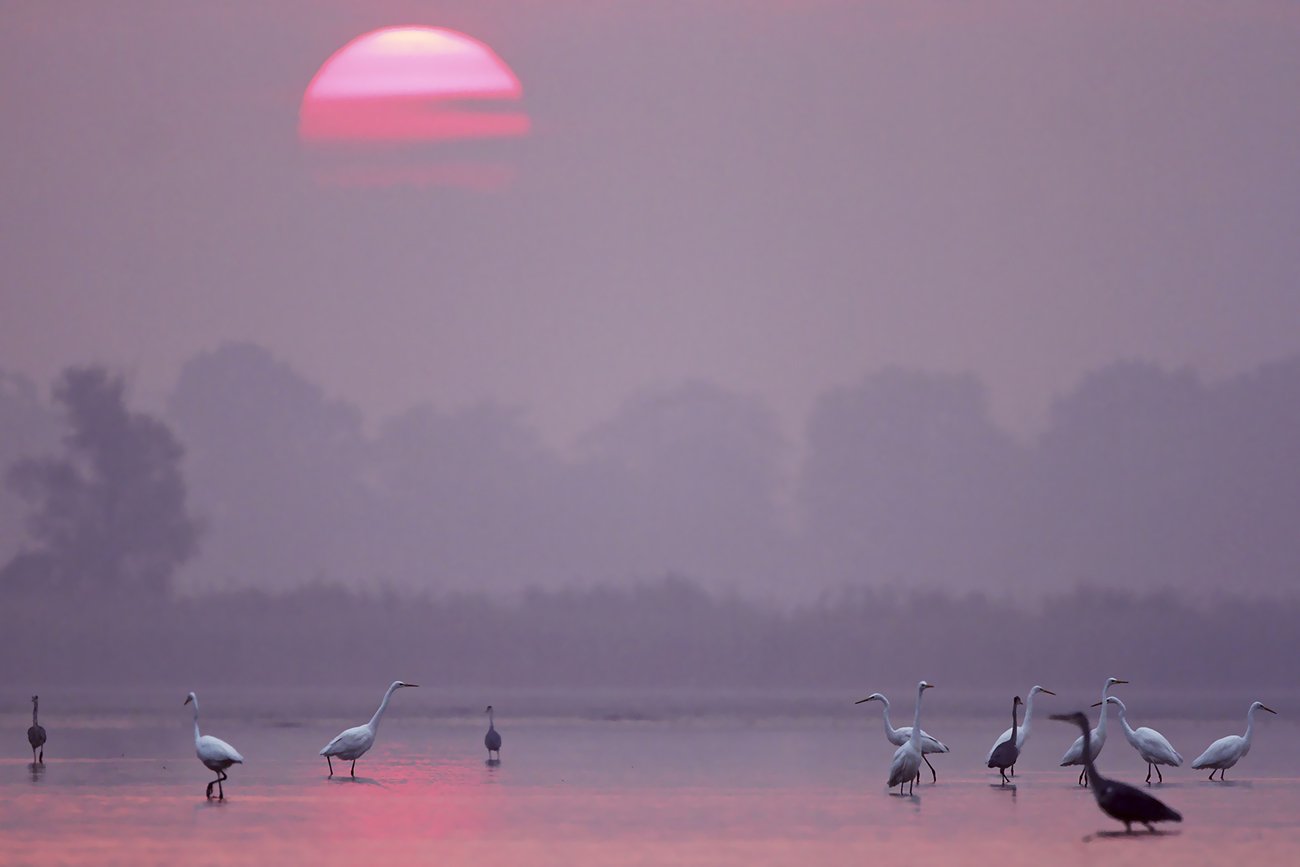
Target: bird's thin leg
{"points": [[1223, 775], [354, 768], [1159, 776], [208, 793], [1148, 772], [331, 764], [1082, 776], [1013, 770], [221, 793], [42, 755], [1128, 827], [1150, 827], [933, 775]]}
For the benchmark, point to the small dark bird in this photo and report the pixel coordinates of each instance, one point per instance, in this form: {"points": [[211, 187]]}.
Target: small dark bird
{"points": [[1006, 753], [1118, 800], [492, 740], [36, 734]]}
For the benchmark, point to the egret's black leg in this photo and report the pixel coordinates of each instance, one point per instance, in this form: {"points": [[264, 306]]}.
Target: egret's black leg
{"points": [[1159, 776], [1148, 773], [1083, 777], [42, 755], [1128, 827], [221, 793], [1013, 770], [331, 764], [1150, 827], [354, 768], [934, 777], [208, 793]]}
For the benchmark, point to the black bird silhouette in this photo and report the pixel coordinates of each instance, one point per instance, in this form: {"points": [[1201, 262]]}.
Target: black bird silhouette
{"points": [[1118, 800], [1006, 753], [36, 734], [492, 740]]}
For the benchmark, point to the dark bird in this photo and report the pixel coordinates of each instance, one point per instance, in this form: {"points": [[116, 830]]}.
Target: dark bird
{"points": [[492, 740], [1118, 800], [1006, 753], [36, 734]]}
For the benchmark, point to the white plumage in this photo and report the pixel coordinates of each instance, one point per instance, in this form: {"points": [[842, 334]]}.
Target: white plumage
{"points": [[216, 754], [1226, 752], [1074, 755], [1152, 746], [906, 764], [351, 744]]}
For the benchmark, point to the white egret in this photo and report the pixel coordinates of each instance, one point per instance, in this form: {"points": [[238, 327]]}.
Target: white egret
{"points": [[906, 765], [1226, 752], [216, 754], [351, 744], [1074, 755], [1022, 735], [1004, 755], [1150, 744], [492, 740], [1118, 800], [36, 734], [898, 737]]}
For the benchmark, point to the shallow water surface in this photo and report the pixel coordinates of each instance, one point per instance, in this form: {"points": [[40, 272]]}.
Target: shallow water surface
{"points": [[711, 789]]}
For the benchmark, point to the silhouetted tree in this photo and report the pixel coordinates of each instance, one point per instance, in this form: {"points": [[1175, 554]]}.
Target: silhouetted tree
{"points": [[110, 514]]}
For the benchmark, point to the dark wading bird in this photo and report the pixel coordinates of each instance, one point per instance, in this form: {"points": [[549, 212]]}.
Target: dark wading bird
{"points": [[216, 754], [351, 744], [1118, 800], [1005, 754], [898, 737], [1226, 752], [36, 734], [1022, 735], [906, 766], [492, 740]]}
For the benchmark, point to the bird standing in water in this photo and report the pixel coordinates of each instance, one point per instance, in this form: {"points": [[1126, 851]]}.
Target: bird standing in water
{"points": [[1118, 800], [1226, 752], [492, 740], [1022, 734], [898, 737], [1153, 747], [906, 764], [1074, 755], [36, 734], [216, 754], [351, 744], [1005, 754]]}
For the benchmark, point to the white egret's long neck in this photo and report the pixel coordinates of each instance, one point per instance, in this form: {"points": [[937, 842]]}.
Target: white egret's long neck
{"points": [[196, 721], [1029, 714], [915, 739], [1128, 729], [1250, 723], [1101, 721], [383, 706], [889, 726]]}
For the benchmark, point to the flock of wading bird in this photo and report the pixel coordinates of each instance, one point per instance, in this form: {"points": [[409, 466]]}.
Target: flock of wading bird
{"points": [[1118, 800]]}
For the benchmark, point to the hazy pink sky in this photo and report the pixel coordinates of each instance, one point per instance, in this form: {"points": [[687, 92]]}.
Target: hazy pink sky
{"points": [[775, 196]]}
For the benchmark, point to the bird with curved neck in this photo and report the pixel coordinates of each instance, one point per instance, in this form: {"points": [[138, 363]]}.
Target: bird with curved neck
{"points": [[1006, 753], [1227, 751], [1118, 800], [899, 736], [1152, 746], [906, 764], [215, 754], [1022, 735], [492, 740], [36, 734], [1074, 755], [351, 744]]}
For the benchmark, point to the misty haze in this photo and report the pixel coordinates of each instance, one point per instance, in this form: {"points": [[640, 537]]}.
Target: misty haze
{"points": [[668, 378]]}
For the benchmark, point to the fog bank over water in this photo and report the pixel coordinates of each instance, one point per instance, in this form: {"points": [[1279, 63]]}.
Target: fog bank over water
{"points": [[258, 534], [1146, 478]]}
